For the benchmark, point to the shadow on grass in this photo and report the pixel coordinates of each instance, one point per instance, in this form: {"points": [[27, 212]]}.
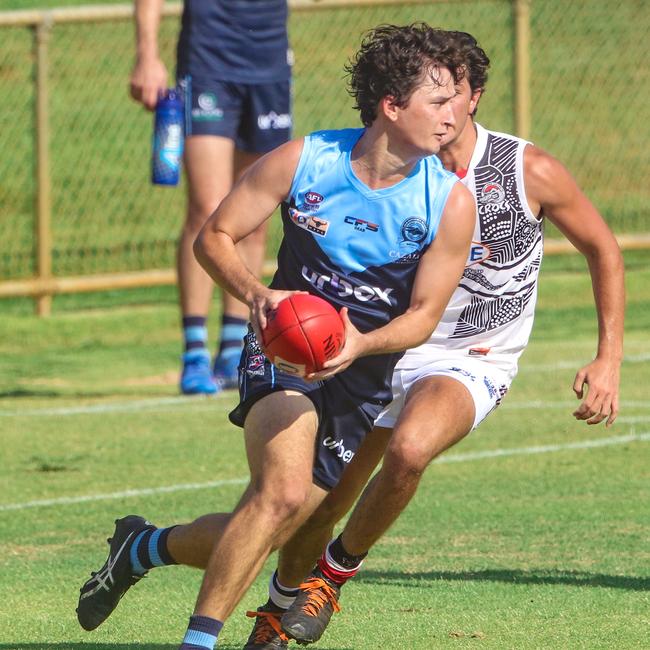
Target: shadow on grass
{"points": [[90, 646], [114, 646], [513, 576], [21, 393]]}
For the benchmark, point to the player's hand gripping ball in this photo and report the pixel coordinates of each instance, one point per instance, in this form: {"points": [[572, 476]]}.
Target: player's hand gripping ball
{"points": [[302, 334]]}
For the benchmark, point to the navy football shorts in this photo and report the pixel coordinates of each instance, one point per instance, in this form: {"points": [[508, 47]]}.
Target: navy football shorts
{"points": [[342, 423], [256, 116]]}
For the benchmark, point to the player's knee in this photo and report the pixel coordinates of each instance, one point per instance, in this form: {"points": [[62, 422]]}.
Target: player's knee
{"points": [[408, 455], [284, 501]]}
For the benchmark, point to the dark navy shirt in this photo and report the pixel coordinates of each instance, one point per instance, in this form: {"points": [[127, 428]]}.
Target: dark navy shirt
{"points": [[357, 247], [234, 40]]}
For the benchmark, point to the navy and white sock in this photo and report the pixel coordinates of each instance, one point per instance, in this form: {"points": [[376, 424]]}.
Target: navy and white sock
{"points": [[149, 550], [202, 633], [233, 330], [280, 596], [195, 333]]}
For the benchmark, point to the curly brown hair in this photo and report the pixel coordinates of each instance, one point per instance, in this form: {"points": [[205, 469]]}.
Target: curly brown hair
{"points": [[476, 60], [394, 61]]}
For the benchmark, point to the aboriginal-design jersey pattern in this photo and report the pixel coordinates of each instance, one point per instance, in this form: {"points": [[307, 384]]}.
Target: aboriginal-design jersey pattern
{"points": [[491, 312]]}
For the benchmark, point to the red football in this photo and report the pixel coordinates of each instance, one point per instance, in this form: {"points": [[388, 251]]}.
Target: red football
{"points": [[302, 334]]}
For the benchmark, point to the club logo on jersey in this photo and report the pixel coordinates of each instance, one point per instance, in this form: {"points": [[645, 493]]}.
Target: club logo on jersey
{"points": [[255, 365], [313, 198], [309, 222], [208, 109], [414, 230], [492, 193], [478, 252], [361, 224], [343, 288], [346, 455]]}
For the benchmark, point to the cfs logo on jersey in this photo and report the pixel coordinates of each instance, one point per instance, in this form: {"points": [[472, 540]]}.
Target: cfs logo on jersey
{"points": [[309, 222], [343, 288], [361, 224]]}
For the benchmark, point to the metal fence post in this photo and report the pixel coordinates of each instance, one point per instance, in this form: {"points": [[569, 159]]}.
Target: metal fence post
{"points": [[521, 95], [43, 207]]}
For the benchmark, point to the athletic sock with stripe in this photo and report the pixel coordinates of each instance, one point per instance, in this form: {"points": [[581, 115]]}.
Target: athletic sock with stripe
{"points": [[149, 549]]}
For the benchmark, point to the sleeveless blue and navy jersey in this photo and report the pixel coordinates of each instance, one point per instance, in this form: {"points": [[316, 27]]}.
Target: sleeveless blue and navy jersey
{"points": [[356, 247], [241, 41]]}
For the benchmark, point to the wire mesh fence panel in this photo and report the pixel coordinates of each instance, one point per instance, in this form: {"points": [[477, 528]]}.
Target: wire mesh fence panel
{"points": [[16, 152], [589, 84], [324, 40], [106, 214]]}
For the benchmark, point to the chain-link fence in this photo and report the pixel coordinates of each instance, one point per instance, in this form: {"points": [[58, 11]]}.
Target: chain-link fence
{"points": [[588, 84]]}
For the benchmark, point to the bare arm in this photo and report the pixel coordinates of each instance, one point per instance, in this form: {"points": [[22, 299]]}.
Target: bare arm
{"points": [[251, 202], [438, 275], [550, 186], [149, 75]]}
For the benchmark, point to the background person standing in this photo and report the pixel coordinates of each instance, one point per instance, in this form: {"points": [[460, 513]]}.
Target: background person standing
{"points": [[234, 66]]}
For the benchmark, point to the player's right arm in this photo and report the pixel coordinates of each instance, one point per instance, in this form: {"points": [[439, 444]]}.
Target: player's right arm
{"points": [[149, 75], [251, 202], [439, 271]]}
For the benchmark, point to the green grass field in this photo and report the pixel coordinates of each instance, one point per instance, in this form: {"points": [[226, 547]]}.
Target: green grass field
{"points": [[532, 533]]}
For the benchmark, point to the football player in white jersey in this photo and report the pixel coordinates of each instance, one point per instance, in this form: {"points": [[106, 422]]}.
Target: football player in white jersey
{"points": [[447, 386]]}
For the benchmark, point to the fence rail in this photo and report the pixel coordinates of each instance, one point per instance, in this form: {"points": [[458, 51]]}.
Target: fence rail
{"points": [[55, 159]]}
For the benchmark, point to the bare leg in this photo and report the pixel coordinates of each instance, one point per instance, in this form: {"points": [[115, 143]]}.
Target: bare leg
{"points": [[209, 169], [252, 248], [298, 556], [280, 432], [439, 412]]}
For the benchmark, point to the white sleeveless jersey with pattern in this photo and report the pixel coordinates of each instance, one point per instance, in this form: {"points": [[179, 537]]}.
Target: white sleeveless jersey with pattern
{"points": [[490, 314]]}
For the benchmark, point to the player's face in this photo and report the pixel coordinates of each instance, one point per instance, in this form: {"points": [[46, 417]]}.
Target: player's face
{"points": [[462, 106], [425, 121]]}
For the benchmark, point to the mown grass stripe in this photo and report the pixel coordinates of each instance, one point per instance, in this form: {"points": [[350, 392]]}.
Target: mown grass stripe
{"points": [[451, 458], [194, 402]]}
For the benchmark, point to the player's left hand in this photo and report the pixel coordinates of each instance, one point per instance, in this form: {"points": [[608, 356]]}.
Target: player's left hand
{"points": [[601, 401], [352, 349]]}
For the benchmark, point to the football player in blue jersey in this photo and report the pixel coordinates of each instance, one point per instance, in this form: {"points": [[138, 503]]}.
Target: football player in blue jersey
{"points": [[391, 283], [444, 388], [234, 69]]}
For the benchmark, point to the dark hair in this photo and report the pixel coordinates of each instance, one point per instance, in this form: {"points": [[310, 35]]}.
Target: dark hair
{"points": [[394, 60], [476, 60]]}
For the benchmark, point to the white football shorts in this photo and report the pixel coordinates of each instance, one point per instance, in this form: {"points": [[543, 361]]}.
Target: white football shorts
{"points": [[486, 382]]}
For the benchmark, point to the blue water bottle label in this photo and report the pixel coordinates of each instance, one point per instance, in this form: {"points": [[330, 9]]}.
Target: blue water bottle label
{"points": [[168, 140]]}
